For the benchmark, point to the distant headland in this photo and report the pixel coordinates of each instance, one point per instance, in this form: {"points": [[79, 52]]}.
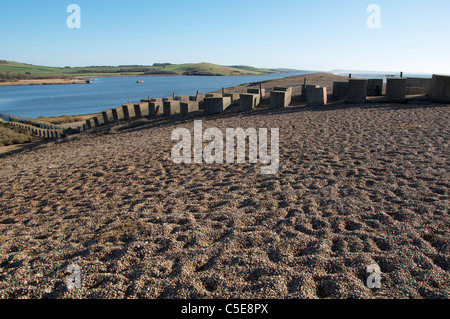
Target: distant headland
{"points": [[15, 73]]}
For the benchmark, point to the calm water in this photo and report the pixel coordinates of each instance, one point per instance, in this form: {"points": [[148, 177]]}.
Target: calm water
{"points": [[104, 93]]}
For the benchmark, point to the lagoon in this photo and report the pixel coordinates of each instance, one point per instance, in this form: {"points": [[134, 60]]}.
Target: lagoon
{"points": [[32, 101]]}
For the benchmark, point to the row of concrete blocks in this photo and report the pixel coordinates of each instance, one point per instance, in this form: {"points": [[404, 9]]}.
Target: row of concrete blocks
{"points": [[357, 90], [280, 97], [211, 103], [150, 108], [12, 118], [375, 87], [42, 132], [145, 108]]}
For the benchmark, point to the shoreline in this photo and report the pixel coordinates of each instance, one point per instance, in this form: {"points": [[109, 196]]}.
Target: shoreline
{"points": [[82, 80], [295, 81], [50, 81]]}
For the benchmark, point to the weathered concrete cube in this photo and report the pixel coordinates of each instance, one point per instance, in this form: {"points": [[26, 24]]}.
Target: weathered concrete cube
{"points": [[248, 101], [317, 96], [234, 96], [213, 95], [145, 107], [340, 90], [98, 121], [188, 107], [396, 89], [171, 107], [440, 91], [128, 111], [182, 98], [357, 91], [416, 91], [137, 110], [374, 87], [156, 108], [425, 83], [280, 99], [283, 89], [141, 109], [260, 92], [305, 89], [108, 116], [117, 113], [197, 98], [215, 105], [89, 124]]}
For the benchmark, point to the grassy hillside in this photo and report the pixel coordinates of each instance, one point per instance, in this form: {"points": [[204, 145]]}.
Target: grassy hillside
{"points": [[213, 69], [13, 70], [253, 69]]}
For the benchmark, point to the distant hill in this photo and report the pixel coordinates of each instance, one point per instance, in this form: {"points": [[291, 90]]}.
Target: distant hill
{"points": [[14, 70], [253, 69]]}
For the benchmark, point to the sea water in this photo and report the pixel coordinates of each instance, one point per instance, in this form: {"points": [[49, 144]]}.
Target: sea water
{"points": [[32, 101]]}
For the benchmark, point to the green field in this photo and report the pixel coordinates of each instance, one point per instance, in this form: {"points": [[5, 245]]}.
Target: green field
{"points": [[14, 70]]}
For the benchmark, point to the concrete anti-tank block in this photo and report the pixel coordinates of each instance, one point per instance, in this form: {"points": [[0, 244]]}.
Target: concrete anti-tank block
{"points": [[182, 98], [305, 89], [440, 90], [357, 91], [425, 83], [156, 108], [117, 113], [340, 90], [260, 92], [234, 96], [213, 95], [317, 96], [416, 91], [248, 101], [108, 116], [280, 99], [215, 105], [396, 89], [98, 121], [197, 98], [171, 107], [126, 112], [188, 107], [141, 109]]}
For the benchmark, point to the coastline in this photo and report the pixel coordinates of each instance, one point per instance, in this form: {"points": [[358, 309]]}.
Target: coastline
{"points": [[82, 80], [50, 81], [296, 81]]}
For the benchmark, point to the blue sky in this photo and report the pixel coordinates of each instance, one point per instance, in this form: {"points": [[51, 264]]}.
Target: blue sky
{"points": [[303, 34]]}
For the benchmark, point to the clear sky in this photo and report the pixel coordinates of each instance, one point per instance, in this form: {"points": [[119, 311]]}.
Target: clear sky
{"points": [[302, 34]]}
